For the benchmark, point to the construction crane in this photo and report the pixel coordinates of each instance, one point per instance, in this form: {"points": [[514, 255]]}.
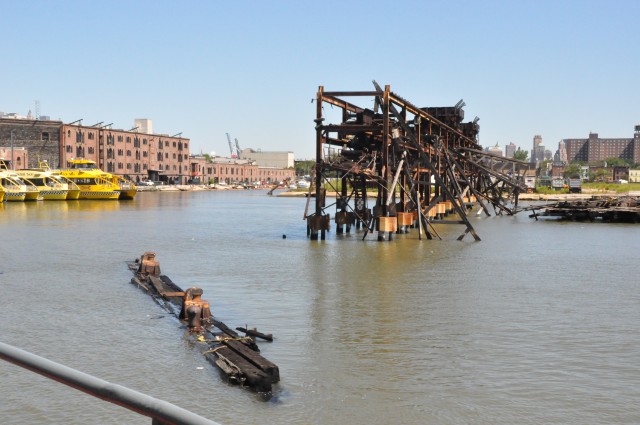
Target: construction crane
{"points": [[237, 147], [231, 146]]}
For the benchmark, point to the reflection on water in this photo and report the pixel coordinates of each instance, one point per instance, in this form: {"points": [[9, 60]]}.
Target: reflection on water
{"points": [[535, 324]]}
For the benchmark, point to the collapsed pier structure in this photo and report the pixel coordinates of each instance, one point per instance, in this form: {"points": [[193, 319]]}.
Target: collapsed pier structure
{"points": [[610, 209], [395, 165]]}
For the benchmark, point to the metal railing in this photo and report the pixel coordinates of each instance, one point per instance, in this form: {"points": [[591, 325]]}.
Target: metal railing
{"points": [[161, 412]]}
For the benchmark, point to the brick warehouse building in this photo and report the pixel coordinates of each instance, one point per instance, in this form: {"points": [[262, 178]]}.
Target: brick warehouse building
{"points": [[132, 154], [234, 170]]}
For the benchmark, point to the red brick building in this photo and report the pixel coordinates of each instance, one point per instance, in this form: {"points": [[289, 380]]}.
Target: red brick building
{"points": [[595, 149]]}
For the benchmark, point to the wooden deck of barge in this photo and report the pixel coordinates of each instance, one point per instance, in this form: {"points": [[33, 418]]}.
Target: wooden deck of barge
{"points": [[236, 356]]}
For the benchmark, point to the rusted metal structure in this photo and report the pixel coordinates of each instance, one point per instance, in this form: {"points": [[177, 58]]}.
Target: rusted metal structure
{"points": [[424, 165]]}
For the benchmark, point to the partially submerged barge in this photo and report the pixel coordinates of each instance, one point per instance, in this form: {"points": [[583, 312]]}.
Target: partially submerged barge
{"points": [[237, 356], [624, 209]]}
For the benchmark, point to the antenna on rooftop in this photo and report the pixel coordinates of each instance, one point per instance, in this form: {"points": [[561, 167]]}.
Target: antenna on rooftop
{"points": [[37, 109]]}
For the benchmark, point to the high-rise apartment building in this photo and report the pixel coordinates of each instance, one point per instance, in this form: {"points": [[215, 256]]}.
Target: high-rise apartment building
{"points": [[595, 149]]}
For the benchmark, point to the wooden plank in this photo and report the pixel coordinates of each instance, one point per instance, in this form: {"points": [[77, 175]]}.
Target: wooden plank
{"points": [[254, 332]]}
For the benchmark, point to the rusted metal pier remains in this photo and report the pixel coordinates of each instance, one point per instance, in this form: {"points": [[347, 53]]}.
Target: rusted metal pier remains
{"points": [[416, 165]]}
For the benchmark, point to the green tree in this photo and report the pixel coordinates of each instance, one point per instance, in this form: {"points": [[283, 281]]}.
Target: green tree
{"points": [[613, 162], [521, 155], [305, 167], [600, 175], [572, 171]]}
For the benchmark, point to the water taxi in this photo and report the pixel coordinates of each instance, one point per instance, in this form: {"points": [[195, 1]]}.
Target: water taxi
{"points": [[73, 191], [17, 189], [2, 193], [90, 180], [88, 168], [12, 190], [51, 187]]}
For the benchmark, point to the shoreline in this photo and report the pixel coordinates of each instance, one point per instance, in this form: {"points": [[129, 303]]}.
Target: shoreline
{"points": [[296, 194]]}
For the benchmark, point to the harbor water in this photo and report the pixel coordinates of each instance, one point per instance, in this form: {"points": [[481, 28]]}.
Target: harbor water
{"points": [[535, 324]]}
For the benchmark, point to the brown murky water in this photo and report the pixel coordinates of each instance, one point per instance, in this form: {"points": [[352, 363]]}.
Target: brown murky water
{"points": [[538, 323]]}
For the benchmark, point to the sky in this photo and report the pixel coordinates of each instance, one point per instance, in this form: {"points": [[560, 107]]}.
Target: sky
{"points": [[560, 69]]}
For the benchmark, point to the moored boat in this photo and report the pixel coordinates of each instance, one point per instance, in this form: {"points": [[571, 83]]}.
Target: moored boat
{"points": [[86, 168], [73, 191], [128, 190], [51, 187], [13, 191], [92, 187], [17, 189], [90, 180], [2, 194]]}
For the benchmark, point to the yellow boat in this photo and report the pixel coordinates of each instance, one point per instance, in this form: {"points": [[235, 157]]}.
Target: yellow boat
{"points": [[73, 191], [128, 190], [2, 194], [88, 168], [51, 187], [17, 189], [90, 180]]}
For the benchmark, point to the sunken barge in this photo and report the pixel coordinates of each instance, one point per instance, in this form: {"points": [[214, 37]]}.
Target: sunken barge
{"points": [[238, 357], [624, 209]]}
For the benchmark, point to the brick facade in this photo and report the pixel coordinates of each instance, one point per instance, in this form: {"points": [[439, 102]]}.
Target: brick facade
{"points": [[595, 149], [41, 139], [232, 170], [137, 156]]}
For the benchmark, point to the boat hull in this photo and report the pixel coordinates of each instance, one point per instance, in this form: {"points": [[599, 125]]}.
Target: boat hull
{"points": [[73, 194], [128, 194], [32, 195], [53, 194], [14, 196], [98, 194]]}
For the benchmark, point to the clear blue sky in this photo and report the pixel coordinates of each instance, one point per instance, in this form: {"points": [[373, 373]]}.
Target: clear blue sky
{"points": [[560, 69]]}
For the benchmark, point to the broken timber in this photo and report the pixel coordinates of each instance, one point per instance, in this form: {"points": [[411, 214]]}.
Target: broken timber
{"points": [[237, 357], [624, 209], [424, 164]]}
